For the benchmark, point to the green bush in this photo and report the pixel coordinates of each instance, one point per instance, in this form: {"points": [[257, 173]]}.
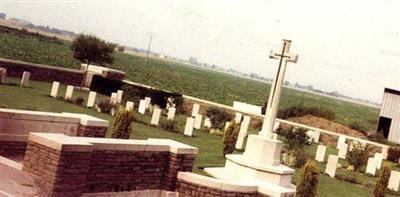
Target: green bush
{"points": [[382, 183], [229, 138], [218, 117], [299, 111], [104, 106], [295, 158], [169, 126], [394, 154], [308, 180], [377, 137], [79, 101], [123, 124], [293, 138], [357, 156]]}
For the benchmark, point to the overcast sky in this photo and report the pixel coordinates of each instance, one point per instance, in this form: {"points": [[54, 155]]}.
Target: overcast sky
{"points": [[349, 46]]}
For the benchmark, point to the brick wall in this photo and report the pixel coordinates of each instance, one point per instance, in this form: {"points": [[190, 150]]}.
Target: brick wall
{"points": [[92, 131], [72, 166], [42, 72]]}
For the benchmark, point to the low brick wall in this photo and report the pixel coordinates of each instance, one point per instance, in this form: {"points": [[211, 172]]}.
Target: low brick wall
{"points": [[42, 72], [101, 165], [15, 126], [189, 184]]}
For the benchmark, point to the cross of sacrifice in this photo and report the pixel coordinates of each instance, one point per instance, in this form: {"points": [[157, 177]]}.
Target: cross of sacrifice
{"points": [[274, 97]]}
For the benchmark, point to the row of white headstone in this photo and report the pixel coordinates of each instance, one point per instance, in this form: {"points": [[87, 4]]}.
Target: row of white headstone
{"points": [[69, 94], [24, 80]]}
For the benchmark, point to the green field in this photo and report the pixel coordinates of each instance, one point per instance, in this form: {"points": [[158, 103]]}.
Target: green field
{"points": [[210, 146], [189, 80]]}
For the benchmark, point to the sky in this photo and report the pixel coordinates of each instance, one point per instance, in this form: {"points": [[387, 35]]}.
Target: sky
{"points": [[349, 46]]}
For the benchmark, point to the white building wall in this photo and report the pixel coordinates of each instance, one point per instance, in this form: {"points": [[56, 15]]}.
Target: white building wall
{"points": [[391, 109]]}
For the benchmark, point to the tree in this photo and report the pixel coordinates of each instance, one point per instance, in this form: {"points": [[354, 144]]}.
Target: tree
{"points": [[382, 183], [308, 180], [357, 156], [91, 49], [123, 124], [230, 137]]}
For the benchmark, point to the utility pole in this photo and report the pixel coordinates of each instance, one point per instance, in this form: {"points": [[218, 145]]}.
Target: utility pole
{"points": [[148, 48]]}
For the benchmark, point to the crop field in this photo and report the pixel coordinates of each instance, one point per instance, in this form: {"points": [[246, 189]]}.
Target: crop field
{"points": [[189, 80]]}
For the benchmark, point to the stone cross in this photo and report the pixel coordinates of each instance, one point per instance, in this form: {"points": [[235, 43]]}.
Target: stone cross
{"points": [[274, 97]]}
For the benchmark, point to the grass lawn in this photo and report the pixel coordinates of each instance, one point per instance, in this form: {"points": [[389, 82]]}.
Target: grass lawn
{"points": [[193, 81], [210, 146]]}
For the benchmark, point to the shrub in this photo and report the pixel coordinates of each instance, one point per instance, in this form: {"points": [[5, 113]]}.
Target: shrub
{"points": [[377, 137], [357, 156], [299, 111], [293, 138], [295, 158], [351, 178], [394, 154], [382, 183], [218, 117], [258, 124], [104, 105], [169, 126], [79, 101], [308, 180], [229, 138], [123, 124]]}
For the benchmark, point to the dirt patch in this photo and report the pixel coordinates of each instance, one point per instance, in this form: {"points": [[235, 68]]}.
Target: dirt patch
{"points": [[327, 125]]}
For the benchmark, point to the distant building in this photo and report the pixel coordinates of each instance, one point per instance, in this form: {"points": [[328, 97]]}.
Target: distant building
{"points": [[389, 117]]}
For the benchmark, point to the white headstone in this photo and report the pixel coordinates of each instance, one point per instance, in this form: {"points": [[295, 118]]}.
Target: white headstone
{"points": [[331, 165], [316, 136], [171, 113], [147, 102], [129, 106], [227, 124], [238, 117], [25, 79], [276, 125], [189, 126], [195, 110], [371, 166], [310, 135], [244, 126], [91, 99], [113, 99], [155, 118], [54, 89], [142, 106], [343, 151], [69, 92], [341, 140], [207, 122], [384, 152], [3, 73], [119, 96], [320, 155], [378, 158], [197, 121], [394, 181]]}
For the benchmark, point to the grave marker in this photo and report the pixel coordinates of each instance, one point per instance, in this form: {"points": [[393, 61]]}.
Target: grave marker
{"points": [[244, 126], [142, 106], [147, 102], [189, 126], [171, 113], [197, 121], [343, 151], [54, 89], [316, 136], [3, 73], [394, 181], [119, 96], [155, 118], [195, 110], [310, 135], [378, 158], [331, 165], [207, 122], [25, 79], [384, 152], [69, 92], [341, 140], [129, 106], [113, 98], [91, 99], [371, 166], [276, 125], [238, 117], [320, 155]]}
